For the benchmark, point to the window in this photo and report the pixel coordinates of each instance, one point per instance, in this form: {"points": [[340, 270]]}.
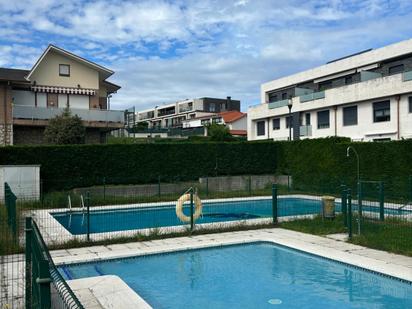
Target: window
{"points": [[396, 69], [348, 80], [307, 116], [323, 120], [276, 124], [64, 70], [260, 128], [205, 122], [350, 116], [284, 96], [410, 104], [212, 107], [325, 85], [272, 97], [381, 111], [288, 121]]}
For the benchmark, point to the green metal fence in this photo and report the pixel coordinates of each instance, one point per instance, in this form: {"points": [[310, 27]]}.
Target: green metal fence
{"points": [[45, 287]]}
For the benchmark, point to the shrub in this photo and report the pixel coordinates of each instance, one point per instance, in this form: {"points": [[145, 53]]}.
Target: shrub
{"points": [[65, 129]]}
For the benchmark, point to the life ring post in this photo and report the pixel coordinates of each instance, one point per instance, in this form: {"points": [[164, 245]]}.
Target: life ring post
{"points": [[195, 207], [191, 209]]}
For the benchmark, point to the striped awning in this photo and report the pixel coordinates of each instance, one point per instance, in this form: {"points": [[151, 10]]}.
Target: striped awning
{"points": [[68, 90]]}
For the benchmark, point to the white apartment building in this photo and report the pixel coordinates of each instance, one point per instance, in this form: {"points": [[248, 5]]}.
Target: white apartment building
{"points": [[172, 115], [366, 96]]}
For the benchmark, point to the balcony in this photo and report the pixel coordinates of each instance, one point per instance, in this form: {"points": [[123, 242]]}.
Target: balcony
{"points": [[407, 76], [312, 96], [305, 130], [278, 104], [89, 115]]}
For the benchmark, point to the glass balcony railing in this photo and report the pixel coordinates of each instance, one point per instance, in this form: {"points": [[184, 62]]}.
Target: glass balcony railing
{"points": [[312, 96], [305, 130], [45, 113], [277, 104], [407, 76]]}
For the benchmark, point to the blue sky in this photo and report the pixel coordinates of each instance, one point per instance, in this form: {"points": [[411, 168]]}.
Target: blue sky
{"points": [[164, 51]]}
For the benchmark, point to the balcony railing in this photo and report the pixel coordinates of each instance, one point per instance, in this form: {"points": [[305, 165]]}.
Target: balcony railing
{"points": [[305, 130], [277, 104], [312, 96], [407, 76], [45, 113]]}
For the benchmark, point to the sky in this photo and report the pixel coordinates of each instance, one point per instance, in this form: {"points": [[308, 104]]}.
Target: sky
{"points": [[165, 51]]}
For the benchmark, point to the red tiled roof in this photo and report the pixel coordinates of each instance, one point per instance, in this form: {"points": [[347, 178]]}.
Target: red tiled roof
{"points": [[231, 116], [238, 132]]}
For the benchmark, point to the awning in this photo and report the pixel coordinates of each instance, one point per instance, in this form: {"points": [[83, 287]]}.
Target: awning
{"points": [[68, 90]]}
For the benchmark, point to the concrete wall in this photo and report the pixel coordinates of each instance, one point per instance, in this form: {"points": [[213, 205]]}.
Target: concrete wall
{"points": [[214, 184], [47, 73]]}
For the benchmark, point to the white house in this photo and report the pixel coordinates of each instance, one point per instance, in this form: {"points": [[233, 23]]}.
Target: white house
{"points": [[366, 96]]}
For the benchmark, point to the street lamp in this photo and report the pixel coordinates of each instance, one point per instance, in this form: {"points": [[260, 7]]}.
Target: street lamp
{"points": [[358, 183], [290, 119]]}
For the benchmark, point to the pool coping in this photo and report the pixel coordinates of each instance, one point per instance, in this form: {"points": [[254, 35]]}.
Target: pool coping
{"points": [[380, 262]]}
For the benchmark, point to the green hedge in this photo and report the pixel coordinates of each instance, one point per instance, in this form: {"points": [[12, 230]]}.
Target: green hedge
{"points": [[312, 163], [85, 165]]}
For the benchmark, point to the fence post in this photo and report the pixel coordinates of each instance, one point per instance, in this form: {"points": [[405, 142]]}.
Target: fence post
{"points": [[28, 231], [344, 205], [250, 185], [360, 200], [104, 188], [44, 284], [207, 186], [274, 203], [349, 219], [191, 209], [88, 214], [381, 202], [158, 186]]}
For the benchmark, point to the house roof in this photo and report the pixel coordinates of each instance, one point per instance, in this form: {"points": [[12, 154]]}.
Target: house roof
{"points": [[111, 87], [238, 132], [231, 116], [14, 75], [105, 71]]}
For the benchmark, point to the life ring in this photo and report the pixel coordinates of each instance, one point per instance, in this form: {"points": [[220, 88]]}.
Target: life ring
{"points": [[179, 207]]}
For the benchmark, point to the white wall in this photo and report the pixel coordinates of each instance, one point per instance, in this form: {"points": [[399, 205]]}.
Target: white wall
{"points": [[41, 99], [62, 100], [240, 124], [79, 101]]}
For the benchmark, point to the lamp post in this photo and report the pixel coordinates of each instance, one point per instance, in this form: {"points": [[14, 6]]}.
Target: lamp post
{"points": [[290, 119], [358, 183]]}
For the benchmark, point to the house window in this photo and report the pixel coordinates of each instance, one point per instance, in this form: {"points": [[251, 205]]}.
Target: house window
{"points": [[348, 80], [410, 104], [396, 69], [323, 119], [272, 97], [381, 111], [284, 96], [350, 115], [288, 121], [307, 116], [64, 70], [325, 85], [260, 128], [212, 107], [205, 122], [276, 124]]}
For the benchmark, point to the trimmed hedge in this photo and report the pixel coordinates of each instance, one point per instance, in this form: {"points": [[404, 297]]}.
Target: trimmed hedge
{"points": [[312, 163]]}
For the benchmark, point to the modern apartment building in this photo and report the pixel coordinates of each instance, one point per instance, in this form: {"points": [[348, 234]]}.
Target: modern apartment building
{"points": [[366, 96], [172, 115], [59, 79]]}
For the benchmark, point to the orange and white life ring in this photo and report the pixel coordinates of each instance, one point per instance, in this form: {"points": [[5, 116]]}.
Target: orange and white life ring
{"points": [[179, 207]]}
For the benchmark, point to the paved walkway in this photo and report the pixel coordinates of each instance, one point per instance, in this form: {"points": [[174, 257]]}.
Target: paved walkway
{"points": [[330, 247]]}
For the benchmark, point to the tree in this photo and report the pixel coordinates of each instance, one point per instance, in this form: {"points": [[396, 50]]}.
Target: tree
{"points": [[65, 129], [218, 132]]}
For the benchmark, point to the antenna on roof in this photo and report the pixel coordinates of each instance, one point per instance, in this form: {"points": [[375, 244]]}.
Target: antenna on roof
{"points": [[351, 55]]}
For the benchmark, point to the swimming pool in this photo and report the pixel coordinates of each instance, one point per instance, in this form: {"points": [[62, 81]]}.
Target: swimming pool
{"points": [[124, 219], [256, 275]]}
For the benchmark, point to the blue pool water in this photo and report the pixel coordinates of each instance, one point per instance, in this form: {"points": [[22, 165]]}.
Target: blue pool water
{"points": [[259, 275], [150, 217]]}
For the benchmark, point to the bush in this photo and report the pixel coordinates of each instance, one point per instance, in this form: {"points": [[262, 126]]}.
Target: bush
{"points": [[65, 129]]}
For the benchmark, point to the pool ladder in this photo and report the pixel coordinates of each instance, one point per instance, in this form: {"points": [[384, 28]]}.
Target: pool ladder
{"points": [[69, 205]]}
